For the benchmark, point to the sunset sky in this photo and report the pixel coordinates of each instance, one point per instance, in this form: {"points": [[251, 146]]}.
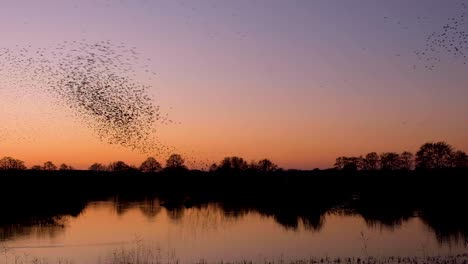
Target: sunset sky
{"points": [[299, 82]]}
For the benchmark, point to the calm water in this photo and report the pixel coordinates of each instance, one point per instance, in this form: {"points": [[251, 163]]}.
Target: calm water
{"points": [[210, 233]]}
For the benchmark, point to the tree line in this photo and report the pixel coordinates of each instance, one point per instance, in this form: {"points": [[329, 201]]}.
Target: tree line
{"points": [[438, 155], [174, 162]]}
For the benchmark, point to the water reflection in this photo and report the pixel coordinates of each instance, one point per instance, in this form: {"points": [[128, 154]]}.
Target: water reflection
{"points": [[300, 214], [42, 220]]}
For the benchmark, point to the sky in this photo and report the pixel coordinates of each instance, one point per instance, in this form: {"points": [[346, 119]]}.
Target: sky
{"points": [[298, 82]]}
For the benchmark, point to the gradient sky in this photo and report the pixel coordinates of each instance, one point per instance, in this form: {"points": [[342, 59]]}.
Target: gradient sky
{"points": [[299, 82]]}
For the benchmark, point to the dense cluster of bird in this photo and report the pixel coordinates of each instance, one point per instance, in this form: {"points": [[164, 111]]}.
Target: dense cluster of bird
{"points": [[451, 39], [97, 81]]}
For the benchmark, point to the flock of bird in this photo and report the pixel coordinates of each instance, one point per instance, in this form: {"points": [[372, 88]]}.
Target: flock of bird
{"points": [[451, 39], [97, 81]]}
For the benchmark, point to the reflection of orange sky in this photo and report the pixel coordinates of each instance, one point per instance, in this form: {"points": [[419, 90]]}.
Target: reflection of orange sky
{"points": [[208, 233]]}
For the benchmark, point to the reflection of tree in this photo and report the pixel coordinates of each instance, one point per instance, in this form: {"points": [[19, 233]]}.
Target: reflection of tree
{"points": [[449, 224], [44, 228], [313, 222], [293, 199], [176, 213], [150, 208]]}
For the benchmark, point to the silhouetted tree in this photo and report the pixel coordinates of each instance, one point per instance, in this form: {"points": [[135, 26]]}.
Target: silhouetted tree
{"points": [[97, 167], [434, 155], [150, 165], [9, 163], [36, 167], [117, 166], [64, 166], [371, 161], [233, 164], [175, 161], [459, 159], [390, 161], [49, 166], [349, 163], [407, 160], [265, 165], [213, 167]]}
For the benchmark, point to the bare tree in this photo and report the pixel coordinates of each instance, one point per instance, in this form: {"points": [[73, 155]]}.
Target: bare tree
{"points": [[49, 166], [9, 163], [64, 166]]}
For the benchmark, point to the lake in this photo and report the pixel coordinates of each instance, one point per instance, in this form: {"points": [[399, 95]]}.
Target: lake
{"points": [[214, 233]]}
